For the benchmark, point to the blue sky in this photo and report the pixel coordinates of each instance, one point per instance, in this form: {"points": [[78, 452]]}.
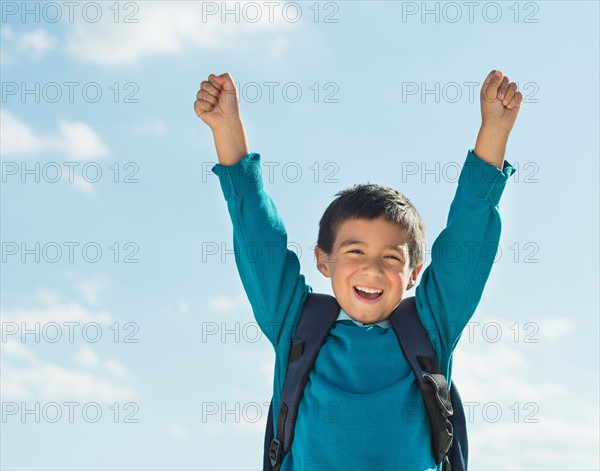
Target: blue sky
{"points": [[142, 351]]}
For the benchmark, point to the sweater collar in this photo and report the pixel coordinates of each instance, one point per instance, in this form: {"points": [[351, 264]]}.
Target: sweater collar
{"points": [[343, 316]]}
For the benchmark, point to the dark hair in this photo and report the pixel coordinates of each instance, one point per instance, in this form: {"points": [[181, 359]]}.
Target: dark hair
{"points": [[370, 201]]}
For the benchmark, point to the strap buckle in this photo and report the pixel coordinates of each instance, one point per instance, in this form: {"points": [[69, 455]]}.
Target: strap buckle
{"points": [[444, 436], [444, 403], [274, 451]]}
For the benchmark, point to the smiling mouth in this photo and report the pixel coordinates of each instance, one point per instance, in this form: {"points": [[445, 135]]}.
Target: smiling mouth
{"points": [[365, 295]]}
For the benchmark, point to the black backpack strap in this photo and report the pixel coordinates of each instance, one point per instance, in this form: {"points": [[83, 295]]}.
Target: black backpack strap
{"points": [[459, 452], [418, 350], [268, 437], [318, 316]]}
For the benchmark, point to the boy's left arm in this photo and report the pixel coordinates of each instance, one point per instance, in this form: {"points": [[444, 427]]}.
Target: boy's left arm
{"points": [[500, 104], [461, 259]]}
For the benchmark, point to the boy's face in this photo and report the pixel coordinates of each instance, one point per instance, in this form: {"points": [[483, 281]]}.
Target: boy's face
{"points": [[362, 257]]}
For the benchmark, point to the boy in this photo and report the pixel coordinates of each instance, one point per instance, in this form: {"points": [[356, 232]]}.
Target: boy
{"points": [[353, 414]]}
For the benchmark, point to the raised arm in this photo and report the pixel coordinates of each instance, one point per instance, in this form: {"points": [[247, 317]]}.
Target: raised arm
{"points": [[269, 271], [463, 254], [500, 104], [217, 104]]}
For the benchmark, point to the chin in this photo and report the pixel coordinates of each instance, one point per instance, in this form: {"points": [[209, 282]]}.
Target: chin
{"points": [[368, 319]]}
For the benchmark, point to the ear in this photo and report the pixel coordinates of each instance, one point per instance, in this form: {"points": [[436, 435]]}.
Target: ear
{"points": [[413, 276], [321, 257]]}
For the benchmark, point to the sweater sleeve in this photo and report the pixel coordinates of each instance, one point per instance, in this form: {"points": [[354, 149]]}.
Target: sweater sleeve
{"points": [[462, 255], [269, 271]]}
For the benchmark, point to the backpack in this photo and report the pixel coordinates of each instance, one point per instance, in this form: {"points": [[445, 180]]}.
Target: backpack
{"points": [[444, 408]]}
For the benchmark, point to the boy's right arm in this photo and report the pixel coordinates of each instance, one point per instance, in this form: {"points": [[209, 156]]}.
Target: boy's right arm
{"points": [[269, 271], [217, 105]]}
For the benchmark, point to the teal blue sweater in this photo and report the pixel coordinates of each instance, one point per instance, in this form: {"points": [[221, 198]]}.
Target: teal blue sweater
{"points": [[362, 408]]}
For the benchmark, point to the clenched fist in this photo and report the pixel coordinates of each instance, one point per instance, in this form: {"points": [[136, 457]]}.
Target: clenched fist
{"points": [[500, 101], [217, 102]]}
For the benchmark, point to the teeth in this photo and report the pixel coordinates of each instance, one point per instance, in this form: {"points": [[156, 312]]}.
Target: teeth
{"points": [[369, 290]]}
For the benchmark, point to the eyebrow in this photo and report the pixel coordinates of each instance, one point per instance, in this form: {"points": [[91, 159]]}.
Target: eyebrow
{"points": [[360, 242]]}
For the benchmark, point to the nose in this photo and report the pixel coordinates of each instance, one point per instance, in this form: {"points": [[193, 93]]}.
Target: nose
{"points": [[372, 268]]}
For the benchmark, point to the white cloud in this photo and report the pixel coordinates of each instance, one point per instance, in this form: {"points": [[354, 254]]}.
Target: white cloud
{"points": [[49, 382], [12, 389], [553, 328], [80, 141], [495, 362], [116, 368], [180, 307], [34, 44], [519, 413], [177, 430], [499, 372], [278, 46], [150, 126], [552, 443], [172, 27], [41, 380], [55, 313], [86, 357], [17, 137], [82, 184], [228, 303], [77, 140], [15, 349], [183, 307], [27, 375], [217, 303], [89, 290], [221, 304], [47, 297]]}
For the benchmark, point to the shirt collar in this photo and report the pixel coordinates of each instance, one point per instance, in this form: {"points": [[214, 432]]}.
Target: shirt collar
{"points": [[343, 316]]}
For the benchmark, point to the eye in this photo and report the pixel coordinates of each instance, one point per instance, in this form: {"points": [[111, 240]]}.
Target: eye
{"points": [[354, 250], [394, 257]]}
